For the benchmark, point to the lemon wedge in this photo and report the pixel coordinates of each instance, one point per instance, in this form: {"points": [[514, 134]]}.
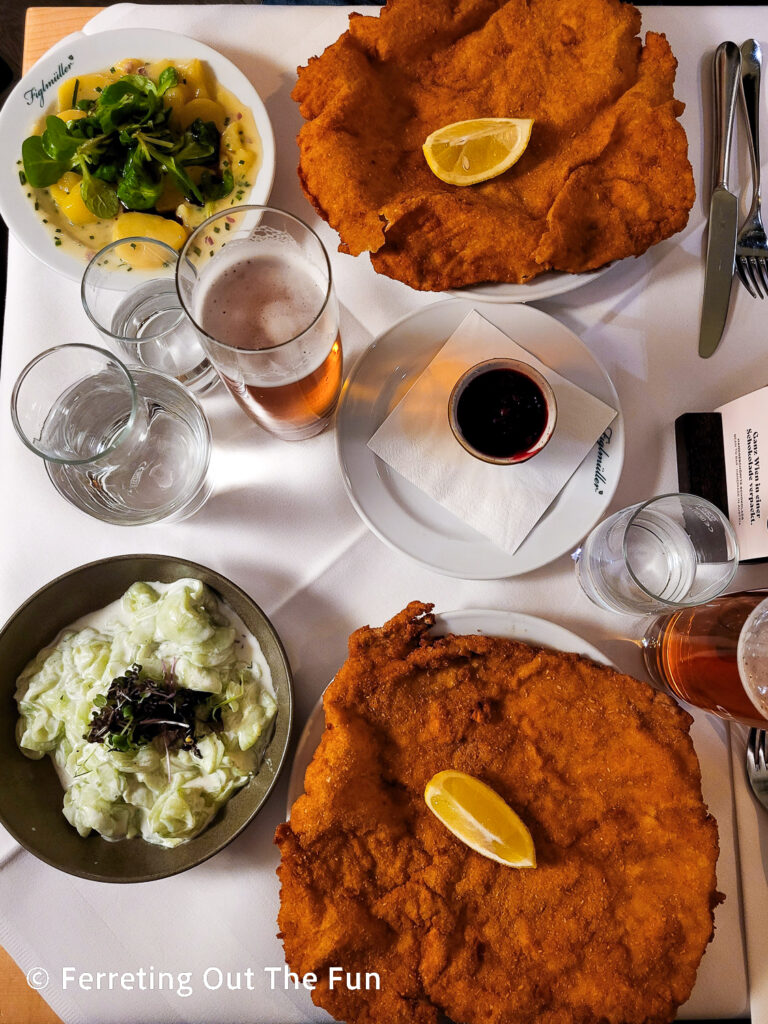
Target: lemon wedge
{"points": [[479, 817], [466, 152]]}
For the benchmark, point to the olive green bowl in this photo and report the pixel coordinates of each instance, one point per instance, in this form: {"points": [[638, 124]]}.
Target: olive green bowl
{"points": [[30, 791]]}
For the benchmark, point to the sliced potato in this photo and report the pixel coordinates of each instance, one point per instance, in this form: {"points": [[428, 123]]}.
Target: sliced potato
{"points": [[197, 75], [241, 161], [128, 66], [206, 110], [147, 225], [177, 97], [66, 195], [89, 88], [70, 115]]}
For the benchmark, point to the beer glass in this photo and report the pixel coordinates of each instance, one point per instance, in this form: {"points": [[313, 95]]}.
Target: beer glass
{"points": [[714, 656], [257, 284], [673, 551], [128, 292], [126, 447]]}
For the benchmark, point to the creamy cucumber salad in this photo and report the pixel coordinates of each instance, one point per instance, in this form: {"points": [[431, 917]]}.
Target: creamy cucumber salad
{"points": [[155, 710]]}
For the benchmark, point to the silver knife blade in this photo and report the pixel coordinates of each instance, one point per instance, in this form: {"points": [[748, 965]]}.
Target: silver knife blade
{"points": [[724, 207], [721, 253]]}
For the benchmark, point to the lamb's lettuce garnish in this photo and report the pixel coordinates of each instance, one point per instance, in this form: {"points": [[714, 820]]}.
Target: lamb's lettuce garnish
{"points": [[79, 698], [125, 147]]}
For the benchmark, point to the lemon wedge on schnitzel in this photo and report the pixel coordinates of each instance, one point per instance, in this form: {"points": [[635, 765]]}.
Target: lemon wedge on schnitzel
{"points": [[478, 816], [466, 152]]}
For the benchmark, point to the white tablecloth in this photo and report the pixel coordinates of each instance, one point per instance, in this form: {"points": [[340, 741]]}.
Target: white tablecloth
{"points": [[280, 525]]}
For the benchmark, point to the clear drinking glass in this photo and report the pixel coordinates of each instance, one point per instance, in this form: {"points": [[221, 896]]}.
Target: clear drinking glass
{"points": [[673, 551], [714, 656], [129, 294], [256, 281], [126, 447]]}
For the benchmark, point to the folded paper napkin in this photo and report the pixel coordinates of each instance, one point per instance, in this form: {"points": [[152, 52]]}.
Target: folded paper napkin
{"points": [[503, 503]]}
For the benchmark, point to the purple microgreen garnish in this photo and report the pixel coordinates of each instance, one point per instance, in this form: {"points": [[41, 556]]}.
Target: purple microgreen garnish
{"points": [[138, 709]]}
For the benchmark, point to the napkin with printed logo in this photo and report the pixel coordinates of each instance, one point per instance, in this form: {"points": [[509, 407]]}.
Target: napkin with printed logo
{"points": [[503, 503]]}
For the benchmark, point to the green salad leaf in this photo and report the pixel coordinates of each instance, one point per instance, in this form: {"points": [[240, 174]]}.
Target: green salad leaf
{"points": [[125, 148], [41, 169], [99, 196]]}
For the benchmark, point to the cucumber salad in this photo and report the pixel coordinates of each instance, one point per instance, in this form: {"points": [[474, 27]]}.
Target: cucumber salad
{"points": [[155, 710]]}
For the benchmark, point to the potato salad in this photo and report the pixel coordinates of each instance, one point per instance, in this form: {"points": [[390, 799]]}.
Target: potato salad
{"points": [[154, 710], [143, 148]]}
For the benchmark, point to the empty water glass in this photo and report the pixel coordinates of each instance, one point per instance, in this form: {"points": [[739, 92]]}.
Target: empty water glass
{"points": [[126, 447], [129, 294], [673, 551]]}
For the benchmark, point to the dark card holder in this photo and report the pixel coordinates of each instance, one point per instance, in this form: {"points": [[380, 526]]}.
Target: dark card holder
{"points": [[701, 459]]}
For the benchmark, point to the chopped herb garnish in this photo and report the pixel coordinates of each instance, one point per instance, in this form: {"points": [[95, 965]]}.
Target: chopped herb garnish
{"points": [[22, 178]]}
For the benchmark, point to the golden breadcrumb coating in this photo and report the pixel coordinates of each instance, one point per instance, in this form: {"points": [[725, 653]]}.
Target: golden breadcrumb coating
{"points": [[605, 175], [609, 927]]}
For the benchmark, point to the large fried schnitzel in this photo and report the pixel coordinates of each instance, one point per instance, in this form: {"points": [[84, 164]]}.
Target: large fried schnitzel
{"points": [[606, 173], [609, 927]]}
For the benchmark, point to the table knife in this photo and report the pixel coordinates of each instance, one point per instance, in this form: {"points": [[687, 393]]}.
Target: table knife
{"points": [[724, 206]]}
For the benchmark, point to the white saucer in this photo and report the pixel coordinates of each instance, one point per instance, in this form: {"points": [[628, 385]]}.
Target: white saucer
{"points": [[492, 622], [407, 519]]}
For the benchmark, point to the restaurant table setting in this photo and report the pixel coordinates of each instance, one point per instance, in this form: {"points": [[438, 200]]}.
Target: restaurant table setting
{"points": [[282, 523]]}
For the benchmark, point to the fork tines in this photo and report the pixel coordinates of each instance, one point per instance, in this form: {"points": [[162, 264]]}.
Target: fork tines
{"points": [[752, 272], [756, 750]]}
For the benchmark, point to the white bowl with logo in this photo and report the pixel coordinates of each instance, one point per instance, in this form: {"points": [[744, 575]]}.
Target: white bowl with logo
{"points": [[82, 54]]}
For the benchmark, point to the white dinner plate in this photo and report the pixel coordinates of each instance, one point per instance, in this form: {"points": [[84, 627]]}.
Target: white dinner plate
{"points": [[408, 519], [491, 622], [553, 282], [82, 53]]}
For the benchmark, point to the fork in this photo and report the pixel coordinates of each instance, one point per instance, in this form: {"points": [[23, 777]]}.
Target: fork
{"points": [[757, 770], [752, 243]]}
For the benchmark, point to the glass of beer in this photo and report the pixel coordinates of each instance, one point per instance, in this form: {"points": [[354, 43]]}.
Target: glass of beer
{"points": [[673, 551], [714, 656], [257, 284]]}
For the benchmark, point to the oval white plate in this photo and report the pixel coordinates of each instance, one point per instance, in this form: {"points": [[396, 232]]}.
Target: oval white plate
{"points": [[407, 519], [81, 54], [554, 282], [492, 622]]}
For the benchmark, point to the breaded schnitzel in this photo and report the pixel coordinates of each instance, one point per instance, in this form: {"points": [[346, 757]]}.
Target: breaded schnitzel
{"points": [[606, 173], [609, 927]]}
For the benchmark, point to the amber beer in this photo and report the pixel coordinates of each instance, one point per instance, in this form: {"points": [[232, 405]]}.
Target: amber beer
{"points": [[693, 653], [257, 283], [297, 407]]}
